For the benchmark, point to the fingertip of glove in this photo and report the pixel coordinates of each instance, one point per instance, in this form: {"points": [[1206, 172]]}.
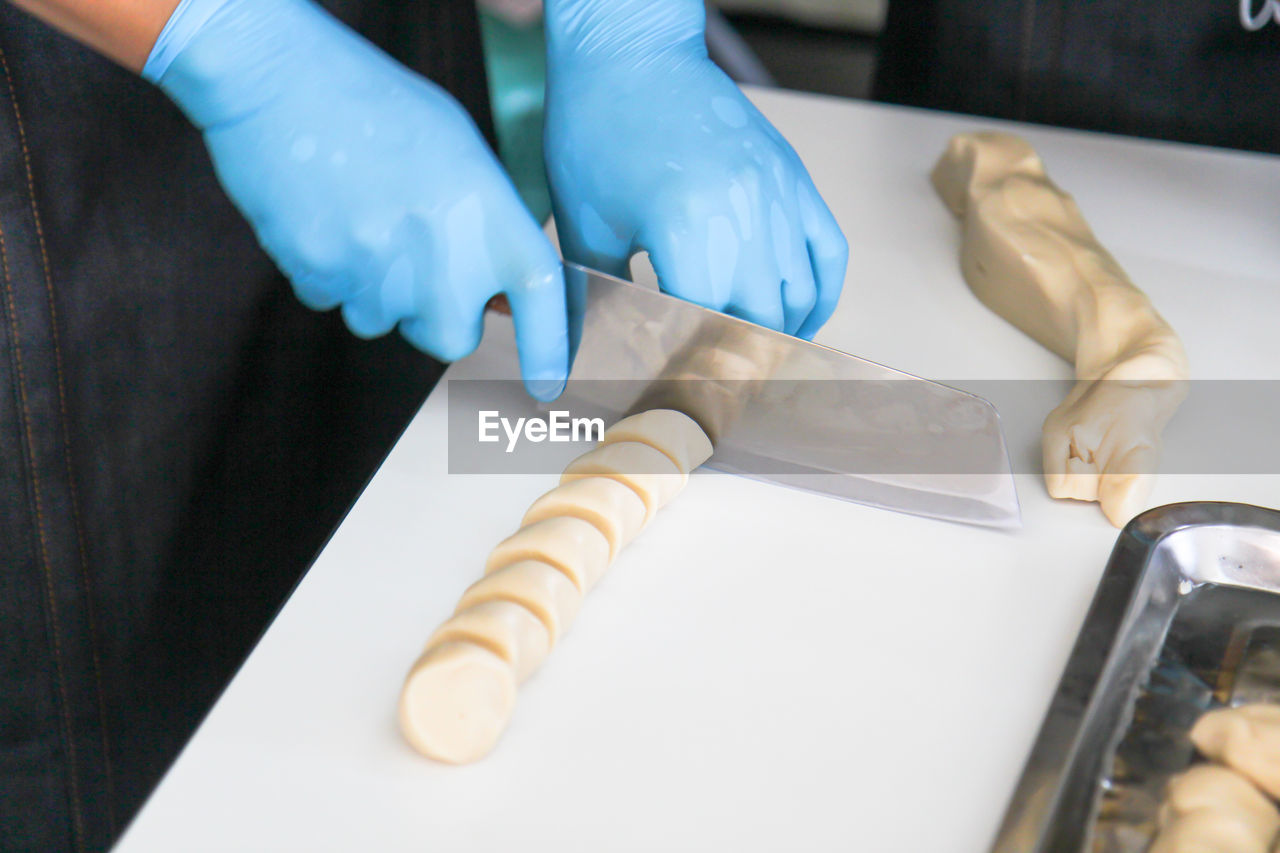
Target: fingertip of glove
{"points": [[547, 389], [364, 323]]}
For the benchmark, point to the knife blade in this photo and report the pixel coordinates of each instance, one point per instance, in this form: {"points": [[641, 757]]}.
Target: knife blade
{"points": [[787, 411]]}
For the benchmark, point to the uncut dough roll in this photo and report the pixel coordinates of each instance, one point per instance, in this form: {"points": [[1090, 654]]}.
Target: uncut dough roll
{"points": [[571, 545], [1210, 807], [1245, 738], [538, 587], [503, 627], [611, 507], [674, 433], [1029, 255], [648, 472], [457, 701]]}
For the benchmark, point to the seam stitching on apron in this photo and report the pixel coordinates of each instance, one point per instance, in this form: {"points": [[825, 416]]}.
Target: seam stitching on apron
{"points": [[50, 599], [66, 447]]}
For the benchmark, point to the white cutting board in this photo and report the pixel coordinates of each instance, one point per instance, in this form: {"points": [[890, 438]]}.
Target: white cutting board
{"points": [[763, 669]]}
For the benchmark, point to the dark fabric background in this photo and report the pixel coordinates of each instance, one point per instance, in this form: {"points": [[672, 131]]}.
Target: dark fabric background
{"points": [[178, 436], [1183, 70]]}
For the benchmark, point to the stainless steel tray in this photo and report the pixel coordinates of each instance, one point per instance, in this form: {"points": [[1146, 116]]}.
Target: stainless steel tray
{"points": [[1186, 617]]}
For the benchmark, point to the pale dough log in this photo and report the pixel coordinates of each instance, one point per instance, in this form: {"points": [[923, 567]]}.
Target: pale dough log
{"points": [[458, 697], [1210, 808], [572, 545], [538, 587], [503, 627], [614, 510], [674, 433], [1245, 738], [1029, 255], [456, 702], [646, 471]]}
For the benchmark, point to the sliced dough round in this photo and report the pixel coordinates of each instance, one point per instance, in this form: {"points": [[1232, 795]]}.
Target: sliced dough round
{"points": [[503, 627], [674, 433], [571, 545], [538, 587], [646, 471], [611, 507], [456, 702]]}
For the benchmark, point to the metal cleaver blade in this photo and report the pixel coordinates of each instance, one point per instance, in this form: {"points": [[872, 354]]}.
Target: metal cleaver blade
{"points": [[787, 411]]}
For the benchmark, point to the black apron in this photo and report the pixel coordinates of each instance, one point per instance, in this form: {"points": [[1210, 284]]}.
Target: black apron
{"points": [[178, 436], [1186, 70]]}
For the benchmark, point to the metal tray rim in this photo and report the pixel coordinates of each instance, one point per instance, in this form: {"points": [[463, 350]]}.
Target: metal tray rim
{"points": [[1044, 775]]}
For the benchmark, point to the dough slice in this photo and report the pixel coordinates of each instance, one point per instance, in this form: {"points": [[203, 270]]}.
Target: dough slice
{"points": [[1245, 738], [503, 627], [646, 471], [569, 544], [674, 433], [608, 505], [538, 587], [456, 702]]}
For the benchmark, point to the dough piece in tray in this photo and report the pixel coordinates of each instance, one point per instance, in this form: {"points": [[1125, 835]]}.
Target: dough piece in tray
{"points": [[1029, 255], [646, 471], [614, 510], [456, 701], [1211, 807], [1245, 738], [1207, 832], [571, 545], [503, 627], [538, 587], [674, 433]]}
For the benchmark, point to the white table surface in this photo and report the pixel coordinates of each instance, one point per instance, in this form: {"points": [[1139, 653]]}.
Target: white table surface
{"points": [[763, 669]]}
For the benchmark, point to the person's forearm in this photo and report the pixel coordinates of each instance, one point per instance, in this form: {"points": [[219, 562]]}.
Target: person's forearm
{"points": [[123, 30]]}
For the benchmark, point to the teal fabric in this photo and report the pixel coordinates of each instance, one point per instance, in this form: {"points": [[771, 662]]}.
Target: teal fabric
{"points": [[516, 62]]}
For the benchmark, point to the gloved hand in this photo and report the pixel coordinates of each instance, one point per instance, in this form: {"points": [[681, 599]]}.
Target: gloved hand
{"points": [[650, 146], [370, 187]]}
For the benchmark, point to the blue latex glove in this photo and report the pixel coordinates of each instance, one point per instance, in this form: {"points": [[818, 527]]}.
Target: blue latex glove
{"points": [[369, 186], [650, 146]]}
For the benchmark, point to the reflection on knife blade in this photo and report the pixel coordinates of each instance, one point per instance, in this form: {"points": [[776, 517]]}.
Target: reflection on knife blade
{"points": [[788, 411]]}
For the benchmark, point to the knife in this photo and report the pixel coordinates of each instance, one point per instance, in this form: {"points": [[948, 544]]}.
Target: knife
{"points": [[787, 411]]}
